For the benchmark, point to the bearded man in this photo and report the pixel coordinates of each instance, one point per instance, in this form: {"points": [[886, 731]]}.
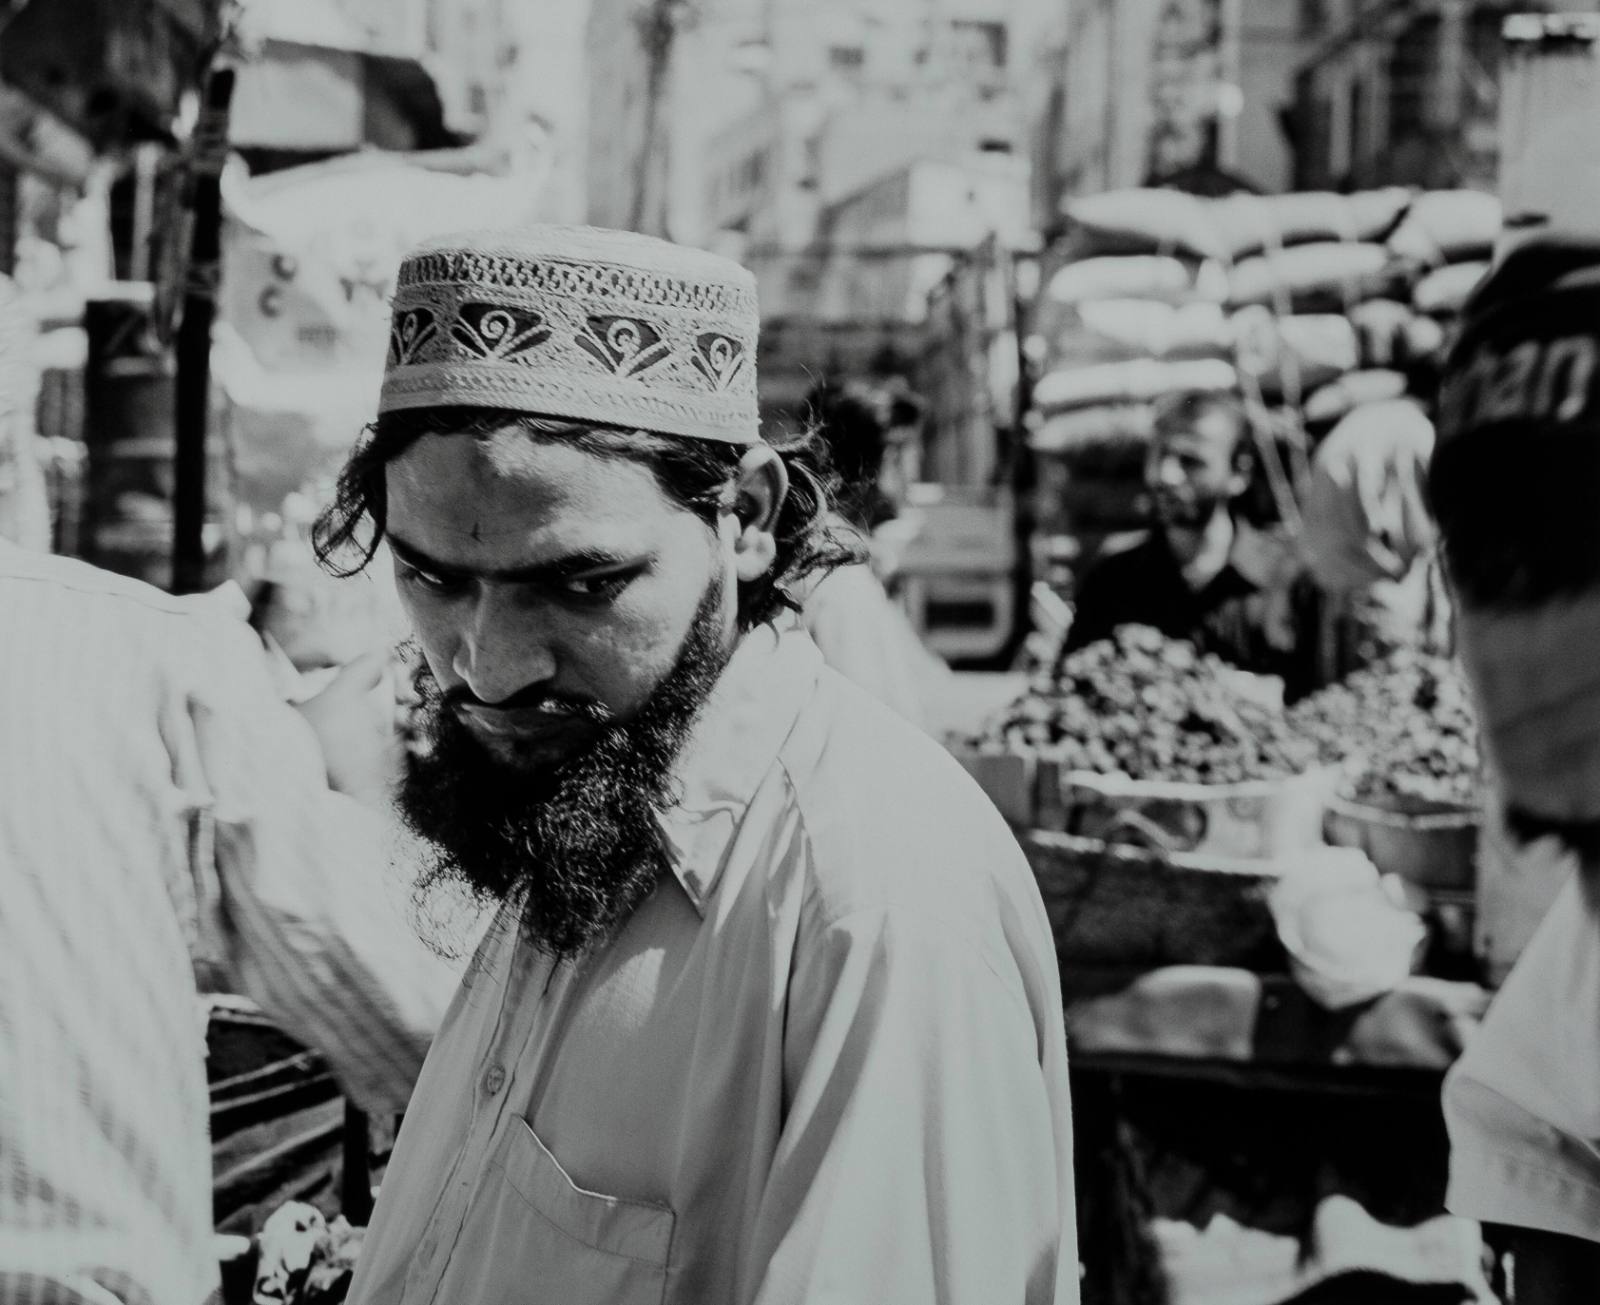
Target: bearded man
{"points": [[1202, 573], [770, 1010]]}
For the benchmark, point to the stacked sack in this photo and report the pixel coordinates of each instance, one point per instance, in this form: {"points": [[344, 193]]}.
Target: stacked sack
{"points": [[1313, 303], [1114, 332]]}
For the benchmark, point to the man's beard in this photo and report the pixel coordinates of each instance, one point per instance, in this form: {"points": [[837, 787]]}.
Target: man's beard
{"points": [[574, 845], [1188, 511]]}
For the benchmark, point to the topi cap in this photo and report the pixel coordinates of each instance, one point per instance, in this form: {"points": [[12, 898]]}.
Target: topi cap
{"points": [[577, 323], [1527, 359], [1515, 485]]}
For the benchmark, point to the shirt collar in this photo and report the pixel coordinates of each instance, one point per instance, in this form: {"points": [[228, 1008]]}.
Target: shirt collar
{"points": [[751, 711]]}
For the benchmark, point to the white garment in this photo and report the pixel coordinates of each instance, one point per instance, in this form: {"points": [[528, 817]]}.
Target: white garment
{"points": [[1523, 1102], [824, 1061], [868, 640], [159, 804]]}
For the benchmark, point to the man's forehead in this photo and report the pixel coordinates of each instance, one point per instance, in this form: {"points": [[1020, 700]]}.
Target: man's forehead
{"points": [[519, 495], [514, 466]]}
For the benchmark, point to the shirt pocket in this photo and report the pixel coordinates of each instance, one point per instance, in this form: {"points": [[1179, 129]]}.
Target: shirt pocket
{"points": [[532, 1235]]}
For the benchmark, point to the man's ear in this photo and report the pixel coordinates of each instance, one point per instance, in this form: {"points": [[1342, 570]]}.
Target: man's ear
{"points": [[1244, 471], [759, 489]]}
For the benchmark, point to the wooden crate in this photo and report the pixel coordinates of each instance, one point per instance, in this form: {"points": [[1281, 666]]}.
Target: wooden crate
{"points": [[1436, 849], [1259, 819], [1128, 906]]}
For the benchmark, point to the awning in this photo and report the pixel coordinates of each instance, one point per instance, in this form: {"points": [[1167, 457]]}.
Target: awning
{"points": [[32, 140], [315, 84], [315, 99], [113, 70]]}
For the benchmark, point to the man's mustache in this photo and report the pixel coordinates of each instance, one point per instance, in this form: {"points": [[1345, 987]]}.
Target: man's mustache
{"points": [[534, 698]]}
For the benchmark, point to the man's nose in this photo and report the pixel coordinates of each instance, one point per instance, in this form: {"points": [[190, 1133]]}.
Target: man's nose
{"points": [[1169, 472], [503, 649]]}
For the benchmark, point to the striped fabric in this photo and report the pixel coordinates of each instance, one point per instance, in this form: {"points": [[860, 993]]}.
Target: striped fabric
{"points": [[160, 805]]}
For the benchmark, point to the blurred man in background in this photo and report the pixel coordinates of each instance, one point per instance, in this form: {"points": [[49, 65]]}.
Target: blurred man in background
{"points": [[1202, 573]]}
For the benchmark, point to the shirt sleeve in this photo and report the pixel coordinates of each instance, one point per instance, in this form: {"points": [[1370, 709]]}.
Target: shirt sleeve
{"points": [[925, 1155], [1523, 1103], [314, 921]]}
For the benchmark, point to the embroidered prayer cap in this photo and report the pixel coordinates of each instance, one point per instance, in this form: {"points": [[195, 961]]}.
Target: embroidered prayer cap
{"points": [[577, 323]]}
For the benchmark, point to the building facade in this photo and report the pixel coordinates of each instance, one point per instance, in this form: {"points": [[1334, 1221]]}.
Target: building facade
{"points": [[881, 251], [618, 171], [1194, 93], [1403, 93], [852, 93], [467, 45], [775, 109]]}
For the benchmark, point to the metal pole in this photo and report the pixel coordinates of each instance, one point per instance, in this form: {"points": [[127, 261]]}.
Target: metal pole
{"points": [[194, 336], [355, 1197], [1024, 472]]}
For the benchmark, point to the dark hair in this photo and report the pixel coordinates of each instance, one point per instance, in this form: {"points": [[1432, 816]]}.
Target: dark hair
{"points": [[1516, 493], [1192, 406], [851, 421], [696, 473], [1519, 521]]}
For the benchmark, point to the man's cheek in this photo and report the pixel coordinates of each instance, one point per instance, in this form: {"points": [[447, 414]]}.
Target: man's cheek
{"points": [[434, 641], [620, 660]]}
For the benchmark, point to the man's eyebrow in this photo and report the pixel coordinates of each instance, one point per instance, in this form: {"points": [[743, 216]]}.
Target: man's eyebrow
{"points": [[558, 568]]}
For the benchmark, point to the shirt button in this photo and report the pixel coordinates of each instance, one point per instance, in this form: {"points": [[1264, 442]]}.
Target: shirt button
{"points": [[494, 1080]]}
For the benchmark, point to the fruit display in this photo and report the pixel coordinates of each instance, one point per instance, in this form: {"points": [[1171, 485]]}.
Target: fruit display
{"points": [[1404, 728], [1152, 708]]}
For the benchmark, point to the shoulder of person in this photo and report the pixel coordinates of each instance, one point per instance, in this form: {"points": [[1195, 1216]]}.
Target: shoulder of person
{"points": [[205, 639], [70, 575], [855, 581], [890, 818]]}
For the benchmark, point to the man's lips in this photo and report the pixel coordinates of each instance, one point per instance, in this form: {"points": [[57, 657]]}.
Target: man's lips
{"points": [[522, 723]]}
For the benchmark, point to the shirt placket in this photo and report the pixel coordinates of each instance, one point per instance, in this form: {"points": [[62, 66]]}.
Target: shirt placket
{"points": [[507, 1060]]}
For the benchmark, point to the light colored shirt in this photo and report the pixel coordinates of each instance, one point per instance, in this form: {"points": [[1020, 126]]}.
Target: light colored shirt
{"points": [[867, 639], [159, 805], [1523, 1102], [824, 1061]]}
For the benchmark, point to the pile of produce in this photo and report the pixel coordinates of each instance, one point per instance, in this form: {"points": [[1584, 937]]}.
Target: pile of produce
{"points": [[1404, 728], [1151, 708]]}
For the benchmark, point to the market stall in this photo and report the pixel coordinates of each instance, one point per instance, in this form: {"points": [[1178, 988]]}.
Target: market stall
{"points": [[1267, 925], [1312, 306]]}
